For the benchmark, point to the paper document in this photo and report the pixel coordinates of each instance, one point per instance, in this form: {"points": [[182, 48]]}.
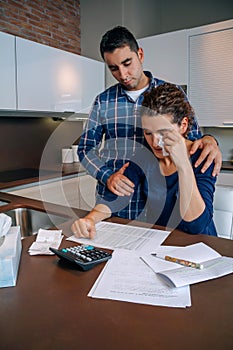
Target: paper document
{"points": [[127, 278], [44, 240], [111, 236], [214, 265]]}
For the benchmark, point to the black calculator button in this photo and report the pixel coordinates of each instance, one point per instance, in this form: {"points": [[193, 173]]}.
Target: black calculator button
{"points": [[84, 256]]}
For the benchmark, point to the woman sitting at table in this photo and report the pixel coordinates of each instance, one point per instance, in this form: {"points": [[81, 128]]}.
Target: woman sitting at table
{"points": [[177, 195]]}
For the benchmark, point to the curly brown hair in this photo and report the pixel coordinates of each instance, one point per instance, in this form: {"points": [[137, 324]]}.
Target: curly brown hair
{"points": [[167, 98]]}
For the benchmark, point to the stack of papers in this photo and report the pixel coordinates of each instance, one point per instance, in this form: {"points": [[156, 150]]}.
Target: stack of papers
{"points": [[44, 240], [127, 278], [135, 274], [112, 236], [214, 265]]}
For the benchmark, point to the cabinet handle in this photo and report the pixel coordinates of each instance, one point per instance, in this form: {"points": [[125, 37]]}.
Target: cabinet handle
{"points": [[228, 123]]}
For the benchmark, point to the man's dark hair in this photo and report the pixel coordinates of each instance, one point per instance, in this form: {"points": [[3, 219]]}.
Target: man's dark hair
{"points": [[116, 38]]}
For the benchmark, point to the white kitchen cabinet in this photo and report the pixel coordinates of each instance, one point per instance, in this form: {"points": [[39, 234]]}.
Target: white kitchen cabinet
{"points": [[7, 71], [202, 59], [211, 73], [166, 56], [225, 178], [223, 205], [223, 211], [50, 79]]}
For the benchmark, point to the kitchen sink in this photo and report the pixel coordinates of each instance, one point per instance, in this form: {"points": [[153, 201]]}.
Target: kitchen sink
{"points": [[31, 220], [3, 203]]}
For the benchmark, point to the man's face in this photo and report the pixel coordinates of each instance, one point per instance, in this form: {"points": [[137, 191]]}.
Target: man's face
{"points": [[126, 67]]}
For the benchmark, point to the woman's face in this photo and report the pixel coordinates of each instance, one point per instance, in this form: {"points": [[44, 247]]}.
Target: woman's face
{"points": [[154, 128]]}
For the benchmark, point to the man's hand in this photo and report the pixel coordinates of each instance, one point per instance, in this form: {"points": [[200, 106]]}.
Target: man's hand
{"points": [[210, 152], [119, 184]]}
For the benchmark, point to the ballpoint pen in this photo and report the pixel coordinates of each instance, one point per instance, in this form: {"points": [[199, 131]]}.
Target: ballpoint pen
{"points": [[183, 262]]}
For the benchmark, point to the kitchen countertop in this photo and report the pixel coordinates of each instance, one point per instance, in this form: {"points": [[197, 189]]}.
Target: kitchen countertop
{"points": [[13, 201], [55, 171], [227, 165], [62, 170], [69, 214]]}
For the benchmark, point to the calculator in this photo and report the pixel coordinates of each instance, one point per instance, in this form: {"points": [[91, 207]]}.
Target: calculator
{"points": [[84, 256]]}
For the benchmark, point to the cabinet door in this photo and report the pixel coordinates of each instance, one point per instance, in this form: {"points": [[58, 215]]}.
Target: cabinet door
{"points": [[50, 79], [211, 75], [7, 72], [166, 56], [223, 211], [93, 81]]}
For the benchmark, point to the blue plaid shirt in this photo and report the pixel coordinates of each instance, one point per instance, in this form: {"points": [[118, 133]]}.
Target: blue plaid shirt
{"points": [[114, 117]]}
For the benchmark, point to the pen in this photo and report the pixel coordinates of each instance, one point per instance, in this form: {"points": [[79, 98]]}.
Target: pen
{"points": [[180, 261]]}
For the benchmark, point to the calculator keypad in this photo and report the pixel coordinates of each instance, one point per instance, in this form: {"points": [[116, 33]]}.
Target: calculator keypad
{"points": [[86, 256]]}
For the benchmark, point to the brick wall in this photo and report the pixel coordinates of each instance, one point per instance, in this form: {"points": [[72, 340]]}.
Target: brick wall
{"points": [[51, 22]]}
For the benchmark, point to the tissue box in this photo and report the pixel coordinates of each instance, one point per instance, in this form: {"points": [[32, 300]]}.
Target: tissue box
{"points": [[10, 252]]}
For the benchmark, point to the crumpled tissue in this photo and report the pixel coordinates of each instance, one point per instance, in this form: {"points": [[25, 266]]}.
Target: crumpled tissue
{"points": [[5, 224], [161, 144]]}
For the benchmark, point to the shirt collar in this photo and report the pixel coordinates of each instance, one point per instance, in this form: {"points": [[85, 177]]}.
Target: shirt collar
{"points": [[152, 82]]}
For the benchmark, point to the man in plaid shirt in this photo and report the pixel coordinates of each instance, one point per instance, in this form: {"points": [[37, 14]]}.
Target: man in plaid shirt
{"points": [[113, 131]]}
